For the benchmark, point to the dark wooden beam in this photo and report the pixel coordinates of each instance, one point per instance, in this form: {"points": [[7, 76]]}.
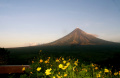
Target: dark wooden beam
{"points": [[9, 69]]}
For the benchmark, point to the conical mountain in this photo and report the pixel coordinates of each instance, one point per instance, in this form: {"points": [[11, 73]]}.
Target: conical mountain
{"points": [[79, 37]]}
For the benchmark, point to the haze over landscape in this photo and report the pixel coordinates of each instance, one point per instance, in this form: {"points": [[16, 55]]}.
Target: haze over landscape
{"points": [[28, 22]]}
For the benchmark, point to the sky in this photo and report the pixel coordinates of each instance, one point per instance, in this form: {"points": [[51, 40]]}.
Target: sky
{"points": [[33, 22]]}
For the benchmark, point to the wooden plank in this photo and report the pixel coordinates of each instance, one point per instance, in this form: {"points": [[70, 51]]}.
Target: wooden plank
{"points": [[8, 69]]}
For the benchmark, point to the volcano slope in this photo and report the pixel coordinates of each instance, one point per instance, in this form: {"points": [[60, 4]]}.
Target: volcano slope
{"points": [[79, 37]]}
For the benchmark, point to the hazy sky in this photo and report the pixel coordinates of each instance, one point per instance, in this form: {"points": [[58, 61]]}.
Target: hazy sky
{"points": [[31, 22]]}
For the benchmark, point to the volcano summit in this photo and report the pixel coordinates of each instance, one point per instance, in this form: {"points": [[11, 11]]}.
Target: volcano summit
{"points": [[79, 37]]}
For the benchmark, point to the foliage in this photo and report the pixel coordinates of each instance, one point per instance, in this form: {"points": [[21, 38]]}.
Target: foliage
{"points": [[99, 54], [63, 67], [4, 56]]}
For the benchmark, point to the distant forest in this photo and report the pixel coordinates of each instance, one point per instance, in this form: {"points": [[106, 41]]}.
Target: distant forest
{"points": [[4, 56]]}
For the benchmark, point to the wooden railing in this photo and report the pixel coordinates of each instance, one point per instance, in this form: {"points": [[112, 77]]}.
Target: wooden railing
{"points": [[9, 69]]}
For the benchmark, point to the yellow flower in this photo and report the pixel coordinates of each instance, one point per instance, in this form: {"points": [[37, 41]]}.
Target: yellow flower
{"points": [[92, 65], [40, 50], [39, 68], [41, 60], [77, 60], [100, 72], [47, 72], [46, 61], [96, 68], [68, 63], [69, 59], [74, 68], [57, 60], [119, 72], [48, 57], [60, 65], [32, 61], [75, 63], [64, 67], [98, 75], [65, 75], [53, 76], [106, 71], [116, 73], [23, 69], [62, 58], [58, 76], [64, 61], [31, 73], [58, 72], [84, 69]]}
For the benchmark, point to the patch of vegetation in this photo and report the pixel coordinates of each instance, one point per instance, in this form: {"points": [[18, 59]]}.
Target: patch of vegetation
{"points": [[104, 55], [65, 67], [4, 56]]}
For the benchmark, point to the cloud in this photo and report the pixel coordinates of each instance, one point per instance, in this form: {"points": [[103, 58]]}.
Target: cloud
{"points": [[95, 35], [31, 44]]}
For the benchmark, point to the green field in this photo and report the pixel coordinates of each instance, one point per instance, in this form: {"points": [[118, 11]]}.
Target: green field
{"points": [[103, 55]]}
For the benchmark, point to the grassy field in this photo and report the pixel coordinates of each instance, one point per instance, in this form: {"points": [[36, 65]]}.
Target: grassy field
{"points": [[103, 55], [67, 62]]}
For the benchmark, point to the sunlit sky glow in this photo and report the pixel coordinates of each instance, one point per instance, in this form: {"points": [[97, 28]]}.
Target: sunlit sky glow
{"points": [[32, 22]]}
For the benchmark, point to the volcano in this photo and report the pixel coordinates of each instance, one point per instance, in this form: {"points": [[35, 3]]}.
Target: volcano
{"points": [[79, 37]]}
